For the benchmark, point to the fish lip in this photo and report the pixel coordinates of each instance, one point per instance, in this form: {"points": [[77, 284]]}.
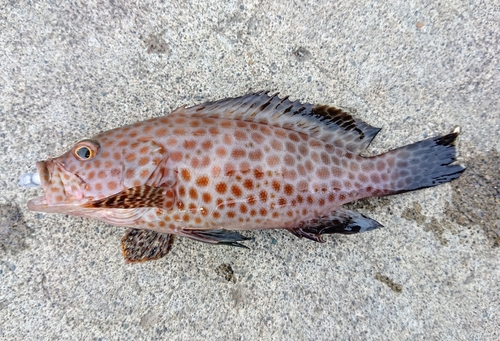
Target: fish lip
{"points": [[39, 204]]}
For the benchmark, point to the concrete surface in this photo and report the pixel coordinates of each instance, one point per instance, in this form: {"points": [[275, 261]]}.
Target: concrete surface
{"points": [[70, 69]]}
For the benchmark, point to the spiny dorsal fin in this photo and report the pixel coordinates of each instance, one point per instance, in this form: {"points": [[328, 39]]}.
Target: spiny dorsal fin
{"points": [[329, 124], [143, 245]]}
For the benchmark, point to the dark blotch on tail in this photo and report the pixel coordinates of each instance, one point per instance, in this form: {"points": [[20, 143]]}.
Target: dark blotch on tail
{"points": [[424, 164]]}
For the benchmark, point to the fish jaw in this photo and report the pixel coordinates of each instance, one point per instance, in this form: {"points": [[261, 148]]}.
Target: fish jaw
{"points": [[63, 191]]}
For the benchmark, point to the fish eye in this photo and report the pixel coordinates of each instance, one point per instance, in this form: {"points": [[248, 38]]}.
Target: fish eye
{"points": [[86, 150]]}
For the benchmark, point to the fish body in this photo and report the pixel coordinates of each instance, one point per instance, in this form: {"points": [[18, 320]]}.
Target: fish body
{"points": [[252, 162]]}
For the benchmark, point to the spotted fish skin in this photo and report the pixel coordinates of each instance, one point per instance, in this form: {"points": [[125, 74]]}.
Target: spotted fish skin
{"points": [[252, 162]]}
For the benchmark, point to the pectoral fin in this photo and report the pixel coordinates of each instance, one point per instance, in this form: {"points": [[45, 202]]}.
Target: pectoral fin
{"points": [[143, 245], [135, 197], [341, 221]]}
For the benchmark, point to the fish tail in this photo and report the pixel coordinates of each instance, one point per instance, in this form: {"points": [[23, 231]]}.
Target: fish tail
{"points": [[423, 164]]}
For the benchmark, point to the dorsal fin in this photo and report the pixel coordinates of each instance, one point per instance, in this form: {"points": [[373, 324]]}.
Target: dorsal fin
{"points": [[329, 124]]}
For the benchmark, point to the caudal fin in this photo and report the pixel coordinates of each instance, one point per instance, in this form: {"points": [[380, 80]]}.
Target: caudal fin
{"points": [[424, 164]]}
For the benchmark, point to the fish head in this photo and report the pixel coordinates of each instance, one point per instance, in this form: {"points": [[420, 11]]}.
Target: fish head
{"points": [[94, 169]]}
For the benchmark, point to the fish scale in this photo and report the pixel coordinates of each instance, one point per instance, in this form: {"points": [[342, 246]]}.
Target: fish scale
{"points": [[253, 162]]}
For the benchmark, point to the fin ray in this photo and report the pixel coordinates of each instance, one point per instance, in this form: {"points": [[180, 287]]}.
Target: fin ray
{"points": [[329, 124], [140, 245], [341, 221]]}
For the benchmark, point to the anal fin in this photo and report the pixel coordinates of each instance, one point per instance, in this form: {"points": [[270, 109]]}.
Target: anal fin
{"points": [[219, 237], [341, 221], [143, 245]]}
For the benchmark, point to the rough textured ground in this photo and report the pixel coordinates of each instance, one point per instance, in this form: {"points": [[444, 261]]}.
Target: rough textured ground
{"points": [[70, 69]]}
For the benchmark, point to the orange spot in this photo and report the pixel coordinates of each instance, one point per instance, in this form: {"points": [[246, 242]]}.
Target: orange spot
{"points": [[194, 123], [230, 214], [216, 215], [275, 215], [202, 181], [323, 173], [199, 132], [263, 212], [206, 145], [186, 175], [321, 202], [258, 174], [258, 138], [276, 185], [162, 224], [238, 153], [215, 171], [289, 213], [112, 185], [101, 174], [123, 143], [176, 156], [98, 186], [226, 124], [144, 173], [375, 178], [248, 184], [253, 213], [147, 129], [193, 193], [236, 191], [221, 152], [288, 189], [263, 196], [273, 160], [282, 201], [190, 144], [221, 187], [185, 217], [161, 132], [171, 142], [294, 137], [251, 200], [130, 157], [115, 172], [310, 200], [342, 197], [117, 156], [91, 175], [197, 220], [207, 198], [240, 135], [105, 154], [255, 155], [213, 130], [243, 208], [143, 161], [108, 164]]}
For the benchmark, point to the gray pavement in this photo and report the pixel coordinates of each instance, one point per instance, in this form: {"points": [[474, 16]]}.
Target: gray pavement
{"points": [[70, 69]]}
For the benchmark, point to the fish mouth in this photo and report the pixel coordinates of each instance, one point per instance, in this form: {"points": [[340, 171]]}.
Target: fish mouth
{"points": [[60, 194]]}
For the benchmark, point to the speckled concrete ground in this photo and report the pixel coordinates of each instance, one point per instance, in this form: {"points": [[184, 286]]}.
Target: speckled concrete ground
{"points": [[70, 69]]}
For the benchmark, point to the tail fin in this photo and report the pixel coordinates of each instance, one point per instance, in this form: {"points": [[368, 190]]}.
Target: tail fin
{"points": [[424, 164]]}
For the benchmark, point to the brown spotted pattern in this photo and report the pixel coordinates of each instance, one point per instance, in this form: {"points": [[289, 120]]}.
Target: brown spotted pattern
{"points": [[192, 171]]}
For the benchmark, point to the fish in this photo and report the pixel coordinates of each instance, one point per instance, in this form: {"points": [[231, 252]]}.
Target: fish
{"points": [[210, 171]]}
